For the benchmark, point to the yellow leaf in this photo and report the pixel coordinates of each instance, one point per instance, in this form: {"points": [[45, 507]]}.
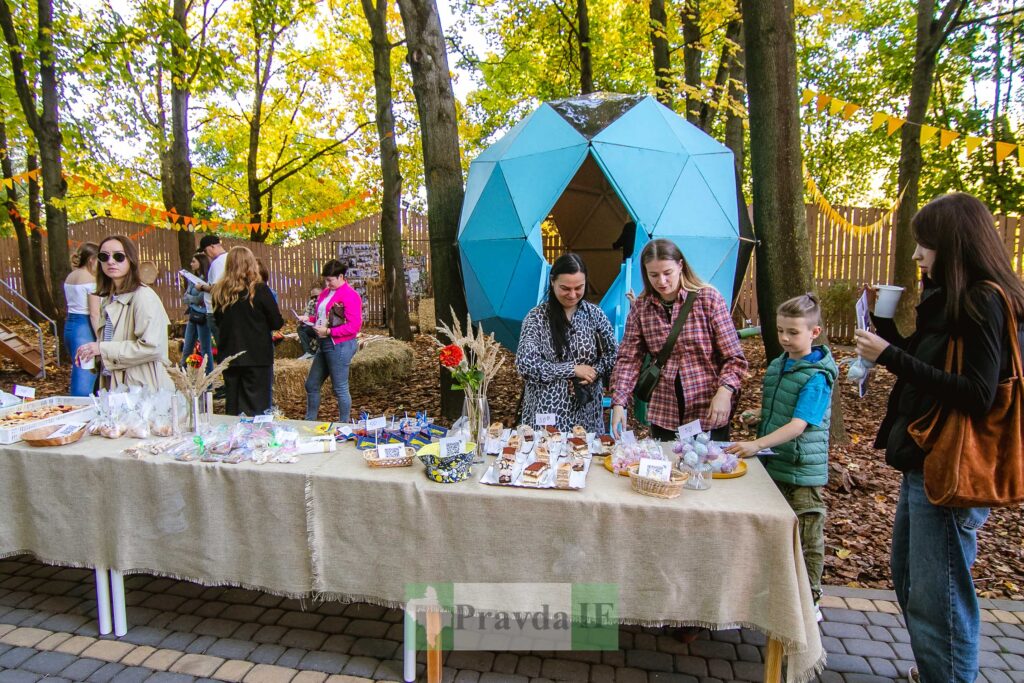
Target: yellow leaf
{"points": [[843, 553]]}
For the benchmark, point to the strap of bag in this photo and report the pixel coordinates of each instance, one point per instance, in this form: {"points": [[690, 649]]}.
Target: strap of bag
{"points": [[666, 350], [955, 350]]}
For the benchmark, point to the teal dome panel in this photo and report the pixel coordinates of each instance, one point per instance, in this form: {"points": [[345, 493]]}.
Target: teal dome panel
{"points": [[545, 131], [529, 285], [476, 297], [643, 178], [536, 181], [494, 216], [479, 175], [692, 209], [719, 172], [713, 258], [498, 149], [494, 262], [693, 139], [644, 127]]}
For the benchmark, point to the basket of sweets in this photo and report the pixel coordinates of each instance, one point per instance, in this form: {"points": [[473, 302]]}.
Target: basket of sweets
{"points": [[655, 487], [373, 460], [54, 435]]}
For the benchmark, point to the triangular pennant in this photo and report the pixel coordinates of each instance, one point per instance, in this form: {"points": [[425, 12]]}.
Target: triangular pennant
{"points": [[836, 106], [877, 119], [822, 101], [1003, 150], [927, 133], [1020, 154], [946, 137], [895, 124], [9, 183], [806, 97], [972, 144], [850, 109], [139, 208]]}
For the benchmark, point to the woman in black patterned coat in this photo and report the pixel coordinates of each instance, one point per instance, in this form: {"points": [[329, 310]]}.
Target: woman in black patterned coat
{"points": [[566, 347]]}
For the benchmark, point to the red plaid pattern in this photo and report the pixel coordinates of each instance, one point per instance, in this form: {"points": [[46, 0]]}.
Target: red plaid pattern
{"points": [[706, 355]]}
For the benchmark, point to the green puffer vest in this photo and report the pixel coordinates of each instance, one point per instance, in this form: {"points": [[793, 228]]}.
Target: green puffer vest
{"points": [[804, 460]]}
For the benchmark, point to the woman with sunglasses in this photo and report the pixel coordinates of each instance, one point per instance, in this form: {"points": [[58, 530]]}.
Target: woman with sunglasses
{"points": [[132, 329]]}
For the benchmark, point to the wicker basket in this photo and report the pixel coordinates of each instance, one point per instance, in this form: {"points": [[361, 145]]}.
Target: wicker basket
{"points": [[655, 487], [40, 436], [405, 461]]}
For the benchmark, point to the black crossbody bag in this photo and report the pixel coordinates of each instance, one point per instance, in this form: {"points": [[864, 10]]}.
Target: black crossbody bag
{"points": [[651, 372]]}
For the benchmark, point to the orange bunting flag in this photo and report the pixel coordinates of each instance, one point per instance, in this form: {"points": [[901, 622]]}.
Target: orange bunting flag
{"points": [[806, 97], [894, 125], [822, 101], [1003, 150], [9, 183], [927, 133], [1020, 154], [877, 119], [972, 144], [835, 106], [849, 110], [946, 137]]}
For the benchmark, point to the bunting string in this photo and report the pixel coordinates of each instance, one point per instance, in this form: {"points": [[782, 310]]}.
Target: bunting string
{"points": [[834, 217], [846, 110]]}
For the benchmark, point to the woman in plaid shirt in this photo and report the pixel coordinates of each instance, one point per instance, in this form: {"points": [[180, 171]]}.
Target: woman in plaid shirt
{"points": [[706, 367]]}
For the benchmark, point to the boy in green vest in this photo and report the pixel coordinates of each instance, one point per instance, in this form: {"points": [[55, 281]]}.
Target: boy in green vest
{"points": [[796, 407]]}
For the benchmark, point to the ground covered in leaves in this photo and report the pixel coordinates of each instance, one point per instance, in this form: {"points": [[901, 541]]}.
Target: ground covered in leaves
{"points": [[861, 495]]}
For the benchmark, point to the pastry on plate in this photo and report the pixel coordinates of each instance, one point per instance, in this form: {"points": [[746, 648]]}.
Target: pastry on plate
{"points": [[543, 452], [527, 433], [562, 475], [579, 432], [508, 453], [577, 462], [505, 471], [578, 445], [495, 430], [534, 472], [514, 441], [551, 429]]}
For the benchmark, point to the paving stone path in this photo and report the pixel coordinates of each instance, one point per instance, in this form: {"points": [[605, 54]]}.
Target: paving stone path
{"points": [[181, 632]]}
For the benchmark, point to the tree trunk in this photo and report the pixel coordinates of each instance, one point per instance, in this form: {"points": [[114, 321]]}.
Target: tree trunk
{"points": [[931, 34], [28, 276], [710, 106], [583, 33], [442, 167], [390, 210], [662, 59], [181, 164], [734, 135], [36, 237], [691, 59]]}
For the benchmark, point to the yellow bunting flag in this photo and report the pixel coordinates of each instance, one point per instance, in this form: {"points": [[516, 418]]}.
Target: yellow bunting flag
{"points": [[836, 106], [849, 110], [877, 119], [972, 144], [1003, 150], [9, 183], [806, 97], [1020, 154], [946, 137], [927, 133], [895, 124], [822, 101]]}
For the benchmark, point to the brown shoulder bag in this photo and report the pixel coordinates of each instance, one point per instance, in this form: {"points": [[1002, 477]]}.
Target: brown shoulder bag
{"points": [[977, 461]]}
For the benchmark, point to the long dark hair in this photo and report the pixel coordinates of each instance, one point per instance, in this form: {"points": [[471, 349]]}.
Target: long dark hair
{"points": [[566, 264], [666, 250], [204, 264], [960, 229], [131, 282]]}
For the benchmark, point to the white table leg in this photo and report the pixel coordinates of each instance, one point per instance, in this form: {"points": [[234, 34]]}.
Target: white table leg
{"points": [[103, 599], [409, 646], [117, 600]]}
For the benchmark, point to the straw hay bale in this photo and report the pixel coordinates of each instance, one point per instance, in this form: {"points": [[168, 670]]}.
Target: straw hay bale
{"points": [[426, 318]]}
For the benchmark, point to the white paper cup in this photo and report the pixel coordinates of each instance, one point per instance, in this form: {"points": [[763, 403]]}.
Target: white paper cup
{"points": [[887, 298], [88, 364]]}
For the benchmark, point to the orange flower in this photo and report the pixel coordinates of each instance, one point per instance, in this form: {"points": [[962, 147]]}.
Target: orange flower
{"points": [[450, 356], [194, 360]]}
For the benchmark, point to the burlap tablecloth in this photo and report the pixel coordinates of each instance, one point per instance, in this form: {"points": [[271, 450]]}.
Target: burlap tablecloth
{"points": [[726, 557], [87, 504]]}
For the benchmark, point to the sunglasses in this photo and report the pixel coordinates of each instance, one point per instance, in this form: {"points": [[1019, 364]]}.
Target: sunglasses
{"points": [[118, 256]]}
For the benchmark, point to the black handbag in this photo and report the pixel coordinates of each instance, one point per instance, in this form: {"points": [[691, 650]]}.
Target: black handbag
{"points": [[651, 373], [196, 318]]}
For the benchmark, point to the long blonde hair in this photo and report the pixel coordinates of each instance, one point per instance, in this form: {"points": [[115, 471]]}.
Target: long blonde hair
{"points": [[241, 275], [666, 250]]}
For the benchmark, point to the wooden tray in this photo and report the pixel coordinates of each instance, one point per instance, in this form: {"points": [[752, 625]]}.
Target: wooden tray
{"points": [[40, 436]]}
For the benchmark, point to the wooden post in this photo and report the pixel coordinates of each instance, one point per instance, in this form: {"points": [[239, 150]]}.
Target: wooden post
{"points": [[773, 662]]}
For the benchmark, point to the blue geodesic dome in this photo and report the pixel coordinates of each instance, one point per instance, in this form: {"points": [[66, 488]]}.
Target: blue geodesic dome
{"points": [[584, 167]]}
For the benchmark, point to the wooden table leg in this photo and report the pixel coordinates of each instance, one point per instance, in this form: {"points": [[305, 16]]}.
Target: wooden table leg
{"points": [[773, 662], [433, 647]]}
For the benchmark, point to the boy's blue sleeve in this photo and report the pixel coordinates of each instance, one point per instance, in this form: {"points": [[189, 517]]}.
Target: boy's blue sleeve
{"points": [[813, 400]]}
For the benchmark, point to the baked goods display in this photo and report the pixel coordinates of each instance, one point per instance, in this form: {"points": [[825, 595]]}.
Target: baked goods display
{"points": [[505, 468], [534, 472], [17, 419], [21, 417], [545, 458], [562, 475]]}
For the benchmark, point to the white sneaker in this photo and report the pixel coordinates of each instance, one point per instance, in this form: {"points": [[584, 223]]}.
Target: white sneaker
{"points": [[305, 356], [819, 617]]}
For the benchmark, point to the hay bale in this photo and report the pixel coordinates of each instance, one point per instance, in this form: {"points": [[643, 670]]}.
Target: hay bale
{"points": [[289, 347], [379, 363], [427, 319]]}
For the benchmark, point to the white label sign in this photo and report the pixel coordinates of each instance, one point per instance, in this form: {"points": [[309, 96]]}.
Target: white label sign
{"points": [[628, 436], [390, 450], [655, 469], [259, 419], [545, 419], [66, 430], [24, 392], [376, 423], [689, 429], [450, 446], [345, 431]]}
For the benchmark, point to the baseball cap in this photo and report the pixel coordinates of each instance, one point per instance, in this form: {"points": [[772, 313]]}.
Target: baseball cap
{"points": [[208, 241]]}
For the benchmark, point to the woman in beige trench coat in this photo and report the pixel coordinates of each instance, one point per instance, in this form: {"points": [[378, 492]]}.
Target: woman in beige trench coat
{"points": [[131, 335]]}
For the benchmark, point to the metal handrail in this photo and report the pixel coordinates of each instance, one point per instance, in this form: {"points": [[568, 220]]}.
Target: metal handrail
{"points": [[39, 331]]}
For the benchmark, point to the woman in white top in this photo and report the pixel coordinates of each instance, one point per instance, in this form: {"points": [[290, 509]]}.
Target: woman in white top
{"points": [[78, 290]]}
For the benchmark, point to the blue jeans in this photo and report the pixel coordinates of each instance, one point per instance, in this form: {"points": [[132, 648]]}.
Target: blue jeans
{"points": [[933, 548], [78, 331], [202, 333], [334, 360]]}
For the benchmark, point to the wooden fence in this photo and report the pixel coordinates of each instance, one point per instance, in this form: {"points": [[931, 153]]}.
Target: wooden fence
{"points": [[842, 260]]}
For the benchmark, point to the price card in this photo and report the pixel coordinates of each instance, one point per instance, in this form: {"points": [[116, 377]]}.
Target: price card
{"points": [[450, 446], [345, 431], [376, 423], [545, 419], [390, 450], [689, 429], [66, 430], [27, 393], [260, 419], [628, 436], [655, 469]]}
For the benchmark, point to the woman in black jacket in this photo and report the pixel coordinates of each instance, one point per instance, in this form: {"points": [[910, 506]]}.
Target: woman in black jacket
{"points": [[933, 547], [246, 314]]}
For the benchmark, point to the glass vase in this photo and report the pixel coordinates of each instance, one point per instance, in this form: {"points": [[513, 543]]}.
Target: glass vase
{"points": [[478, 416], [700, 477]]}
